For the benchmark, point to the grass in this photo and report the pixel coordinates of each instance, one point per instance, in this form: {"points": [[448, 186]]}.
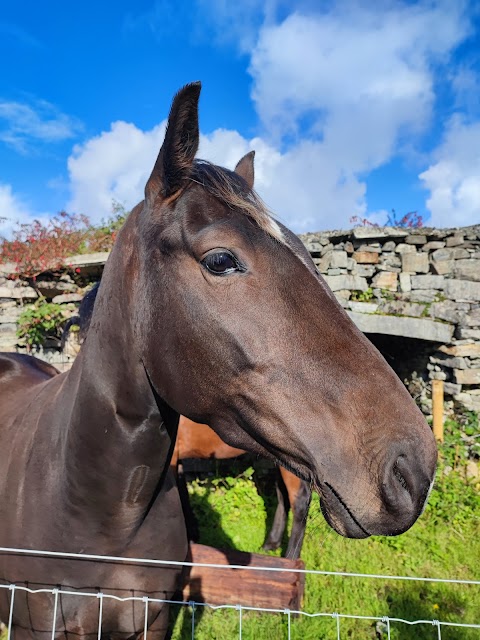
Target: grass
{"points": [[444, 543]]}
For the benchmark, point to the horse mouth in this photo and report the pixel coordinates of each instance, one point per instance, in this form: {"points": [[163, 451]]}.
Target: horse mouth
{"points": [[338, 515]]}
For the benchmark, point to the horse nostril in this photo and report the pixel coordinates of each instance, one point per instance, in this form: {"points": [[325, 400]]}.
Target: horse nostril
{"points": [[399, 476]]}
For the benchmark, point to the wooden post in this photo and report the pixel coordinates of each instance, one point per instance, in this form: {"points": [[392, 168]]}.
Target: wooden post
{"points": [[275, 590], [437, 409]]}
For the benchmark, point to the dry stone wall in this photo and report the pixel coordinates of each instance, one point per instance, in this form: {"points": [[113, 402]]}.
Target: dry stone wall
{"points": [[414, 292], [418, 284]]}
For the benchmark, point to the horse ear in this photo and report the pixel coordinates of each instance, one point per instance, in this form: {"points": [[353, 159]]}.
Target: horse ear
{"points": [[179, 147], [245, 168]]}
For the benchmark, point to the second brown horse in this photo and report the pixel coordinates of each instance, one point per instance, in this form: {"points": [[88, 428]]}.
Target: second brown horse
{"points": [[199, 441]]}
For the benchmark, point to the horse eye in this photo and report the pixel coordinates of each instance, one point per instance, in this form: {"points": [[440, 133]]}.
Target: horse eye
{"points": [[221, 263]]}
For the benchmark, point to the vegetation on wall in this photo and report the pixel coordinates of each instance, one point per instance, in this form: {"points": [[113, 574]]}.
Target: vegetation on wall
{"points": [[410, 220], [46, 245], [40, 322]]}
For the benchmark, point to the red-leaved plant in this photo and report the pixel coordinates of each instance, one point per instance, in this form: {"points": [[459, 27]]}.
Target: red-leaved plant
{"points": [[44, 245]]}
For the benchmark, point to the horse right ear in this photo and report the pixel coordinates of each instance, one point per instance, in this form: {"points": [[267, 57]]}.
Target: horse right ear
{"points": [[179, 147], [245, 168]]}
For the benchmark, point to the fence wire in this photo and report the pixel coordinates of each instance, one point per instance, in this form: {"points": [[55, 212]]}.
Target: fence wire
{"points": [[194, 607]]}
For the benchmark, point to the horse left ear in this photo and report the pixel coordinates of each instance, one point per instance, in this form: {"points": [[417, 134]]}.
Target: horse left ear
{"points": [[245, 168], [179, 147]]}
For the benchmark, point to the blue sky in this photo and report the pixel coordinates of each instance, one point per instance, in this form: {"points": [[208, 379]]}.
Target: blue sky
{"points": [[353, 107]]}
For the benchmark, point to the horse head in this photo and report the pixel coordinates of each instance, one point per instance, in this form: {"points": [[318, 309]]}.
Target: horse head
{"points": [[236, 328]]}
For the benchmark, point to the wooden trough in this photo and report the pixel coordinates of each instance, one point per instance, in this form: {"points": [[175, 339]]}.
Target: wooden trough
{"points": [[272, 589]]}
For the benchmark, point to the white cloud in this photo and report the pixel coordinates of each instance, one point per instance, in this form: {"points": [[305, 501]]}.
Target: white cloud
{"points": [[12, 210], [112, 166], [453, 178], [300, 186], [41, 122], [361, 76]]}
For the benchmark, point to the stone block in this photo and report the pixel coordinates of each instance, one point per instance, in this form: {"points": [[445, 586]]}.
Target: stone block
{"points": [[467, 270], [473, 334], [471, 350], [389, 246], [467, 376], [468, 401], [464, 290], [7, 304], [443, 267], [338, 260], [416, 239], [402, 308], [455, 253], [446, 310], [438, 375], [452, 389], [350, 282], [6, 319], [386, 280], [18, 293], [450, 363], [313, 246], [365, 257], [423, 295], [335, 272], [8, 327], [366, 271], [349, 247], [405, 282], [373, 247], [323, 263], [433, 245], [472, 318], [326, 249], [455, 241], [68, 297], [419, 328], [428, 282], [391, 259], [363, 307], [405, 248], [415, 262]]}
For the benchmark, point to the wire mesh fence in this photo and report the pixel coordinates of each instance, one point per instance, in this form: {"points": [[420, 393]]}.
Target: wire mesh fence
{"points": [[384, 625]]}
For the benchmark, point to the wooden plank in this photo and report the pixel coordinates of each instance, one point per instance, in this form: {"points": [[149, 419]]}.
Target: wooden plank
{"points": [[272, 589]]}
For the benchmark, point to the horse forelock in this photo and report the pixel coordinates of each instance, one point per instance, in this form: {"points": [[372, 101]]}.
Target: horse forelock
{"points": [[232, 190]]}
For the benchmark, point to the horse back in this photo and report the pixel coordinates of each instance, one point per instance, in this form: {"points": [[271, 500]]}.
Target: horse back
{"points": [[19, 371]]}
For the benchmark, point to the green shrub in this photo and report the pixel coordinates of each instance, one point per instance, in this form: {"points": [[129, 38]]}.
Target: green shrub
{"points": [[40, 322]]}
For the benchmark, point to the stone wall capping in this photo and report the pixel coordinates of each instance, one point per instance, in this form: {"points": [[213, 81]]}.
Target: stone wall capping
{"points": [[419, 328], [379, 232]]}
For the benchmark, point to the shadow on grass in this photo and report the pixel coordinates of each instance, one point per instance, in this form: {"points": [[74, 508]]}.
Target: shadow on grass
{"points": [[428, 602], [264, 478]]}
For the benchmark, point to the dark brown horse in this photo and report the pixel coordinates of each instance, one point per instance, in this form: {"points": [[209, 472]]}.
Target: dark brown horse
{"points": [[199, 441], [210, 309]]}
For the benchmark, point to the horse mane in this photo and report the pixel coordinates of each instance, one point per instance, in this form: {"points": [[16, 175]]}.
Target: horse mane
{"points": [[232, 190]]}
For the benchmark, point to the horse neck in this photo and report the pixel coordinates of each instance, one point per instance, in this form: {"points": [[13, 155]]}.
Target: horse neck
{"points": [[120, 436]]}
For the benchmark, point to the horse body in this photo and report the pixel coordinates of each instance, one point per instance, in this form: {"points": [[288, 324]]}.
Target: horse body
{"points": [[183, 325]]}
